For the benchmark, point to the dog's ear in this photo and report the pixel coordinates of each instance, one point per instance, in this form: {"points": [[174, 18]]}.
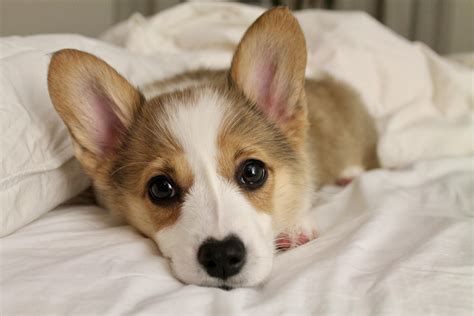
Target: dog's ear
{"points": [[269, 64], [96, 103]]}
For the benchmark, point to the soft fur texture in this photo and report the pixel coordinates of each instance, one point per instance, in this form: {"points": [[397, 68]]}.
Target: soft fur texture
{"points": [[198, 130]]}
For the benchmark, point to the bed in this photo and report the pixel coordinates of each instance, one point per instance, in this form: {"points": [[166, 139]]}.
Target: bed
{"points": [[396, 241]]}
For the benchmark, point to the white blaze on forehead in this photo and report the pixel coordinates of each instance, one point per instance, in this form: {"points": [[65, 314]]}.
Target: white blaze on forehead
{"points": [[196, 128]]}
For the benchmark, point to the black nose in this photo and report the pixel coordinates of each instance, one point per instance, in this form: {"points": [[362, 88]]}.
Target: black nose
{"points": [[222, 259]]}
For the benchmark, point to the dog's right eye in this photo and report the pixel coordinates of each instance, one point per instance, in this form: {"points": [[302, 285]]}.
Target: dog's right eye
{"points": [[161, 189]]}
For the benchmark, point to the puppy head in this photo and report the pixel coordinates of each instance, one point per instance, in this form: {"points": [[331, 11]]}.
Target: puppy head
{"points": [[211, 173]]}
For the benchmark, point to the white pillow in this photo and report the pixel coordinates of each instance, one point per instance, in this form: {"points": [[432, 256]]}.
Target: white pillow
{"points": [[37, 167]]}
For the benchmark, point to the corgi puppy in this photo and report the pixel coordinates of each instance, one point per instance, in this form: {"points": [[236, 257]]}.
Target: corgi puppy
{"points": [[216, 166]]}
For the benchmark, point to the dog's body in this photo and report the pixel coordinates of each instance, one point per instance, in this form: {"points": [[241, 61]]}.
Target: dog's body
{"points": [[215, 165]]}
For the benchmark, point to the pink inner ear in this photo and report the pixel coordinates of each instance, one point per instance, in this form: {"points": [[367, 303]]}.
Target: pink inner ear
{"points": [[270, 94], [105, 121]]}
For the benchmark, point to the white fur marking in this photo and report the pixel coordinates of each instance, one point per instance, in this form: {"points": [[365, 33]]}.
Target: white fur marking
{"points": [[352, 172], [196, 128]]}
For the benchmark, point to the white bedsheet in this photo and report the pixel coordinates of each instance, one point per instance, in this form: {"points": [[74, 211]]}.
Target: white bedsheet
{"points": [[392, 243]]}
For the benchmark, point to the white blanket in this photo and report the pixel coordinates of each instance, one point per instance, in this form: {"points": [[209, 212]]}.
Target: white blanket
{"points": [[393, 242]]}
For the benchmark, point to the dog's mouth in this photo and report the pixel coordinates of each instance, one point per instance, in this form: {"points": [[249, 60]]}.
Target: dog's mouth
{"points": [[226, 285]]}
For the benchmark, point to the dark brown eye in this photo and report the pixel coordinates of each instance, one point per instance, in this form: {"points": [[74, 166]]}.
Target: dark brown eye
{"points": [[161, 189], [252, 174]]}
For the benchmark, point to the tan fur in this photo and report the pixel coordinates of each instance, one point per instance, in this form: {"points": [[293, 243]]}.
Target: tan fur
{"points": [[141, 160], [264, 49], [342, 132], [119, 183], [271, 33], [234, 151], [71, 74], [183, 81]]}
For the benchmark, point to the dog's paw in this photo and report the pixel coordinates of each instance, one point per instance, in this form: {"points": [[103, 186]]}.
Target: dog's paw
{"points": [[295, 237], [348, 174], [343, 182]]}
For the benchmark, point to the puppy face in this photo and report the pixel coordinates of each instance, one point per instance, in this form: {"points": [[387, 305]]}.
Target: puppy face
{"points": [[210, 173]]}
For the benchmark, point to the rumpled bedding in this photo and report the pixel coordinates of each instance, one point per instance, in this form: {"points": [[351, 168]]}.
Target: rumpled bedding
{"points": [[397, 241], [392, 243]]}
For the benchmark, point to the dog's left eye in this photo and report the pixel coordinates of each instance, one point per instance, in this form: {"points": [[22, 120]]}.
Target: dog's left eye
{"points": [[161, 189], [252, 174]]}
